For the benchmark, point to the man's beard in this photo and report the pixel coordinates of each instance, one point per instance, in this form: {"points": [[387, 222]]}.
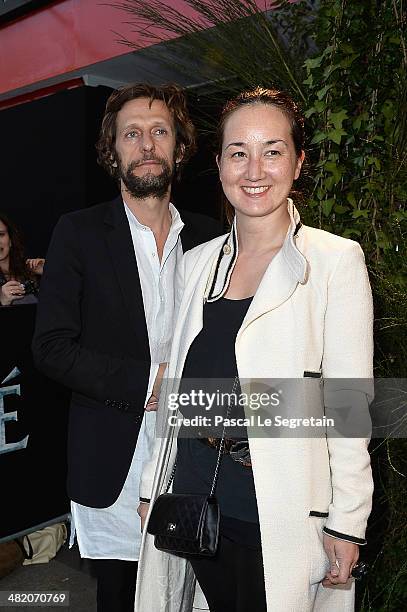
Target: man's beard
{"points": [[150, 185]]}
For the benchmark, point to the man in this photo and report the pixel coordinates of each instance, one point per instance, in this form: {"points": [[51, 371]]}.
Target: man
{"points": [[105, 320]]}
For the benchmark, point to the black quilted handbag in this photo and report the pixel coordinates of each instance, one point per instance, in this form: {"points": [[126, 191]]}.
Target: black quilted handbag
{"points": [[185, 524], [188, 524]]}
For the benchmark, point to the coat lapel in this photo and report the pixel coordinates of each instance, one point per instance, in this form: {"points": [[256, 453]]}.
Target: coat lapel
{"points": [[288, 268], [120, 246], [285, 271]]}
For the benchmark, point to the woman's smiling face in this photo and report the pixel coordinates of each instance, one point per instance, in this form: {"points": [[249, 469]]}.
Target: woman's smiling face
{"points": [[258, 163]]}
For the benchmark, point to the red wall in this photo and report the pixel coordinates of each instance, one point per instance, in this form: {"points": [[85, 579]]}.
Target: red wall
{"points": [[68, 35], [65, 36]]}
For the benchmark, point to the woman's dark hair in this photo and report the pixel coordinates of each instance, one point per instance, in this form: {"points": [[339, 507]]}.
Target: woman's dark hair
{"points": [[172, 96], [261, 95], [18, 268]]}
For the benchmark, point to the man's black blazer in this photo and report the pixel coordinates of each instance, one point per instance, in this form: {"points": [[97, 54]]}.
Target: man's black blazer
{"points": [[91, 336]]}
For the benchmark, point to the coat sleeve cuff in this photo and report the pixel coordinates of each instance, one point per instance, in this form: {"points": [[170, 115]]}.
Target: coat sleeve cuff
{"points": [[343, 536]]}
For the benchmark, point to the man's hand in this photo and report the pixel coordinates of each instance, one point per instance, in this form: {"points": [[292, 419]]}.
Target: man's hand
{"points": [[10, 291], [36, 265], [142, 511], [342, 558], [152, 403]]}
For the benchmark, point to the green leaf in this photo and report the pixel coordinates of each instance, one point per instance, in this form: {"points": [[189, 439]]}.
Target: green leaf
{"points": [[322, 92], [308, 113], [358, 161], [348, 61], [371, 160], [318, 137], [330, 69], [327, 206], [338, 118], [351, 199], [388, 109], [328, 50], [358, 121], [336, 135], [333, 156], [312, 63], [320, 105], [309, 81], [356, 214], [340, 210], [335, 170]]}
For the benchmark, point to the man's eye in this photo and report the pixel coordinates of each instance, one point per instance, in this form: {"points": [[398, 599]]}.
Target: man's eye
{"points": [[239, 154], [131, 134], [272, 153]]}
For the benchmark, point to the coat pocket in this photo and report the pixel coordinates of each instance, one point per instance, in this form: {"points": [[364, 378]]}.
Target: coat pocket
{"points": [[319, 558]]}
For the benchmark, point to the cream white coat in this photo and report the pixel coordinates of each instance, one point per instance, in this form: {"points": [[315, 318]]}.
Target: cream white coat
{"points": [[311, 312]]}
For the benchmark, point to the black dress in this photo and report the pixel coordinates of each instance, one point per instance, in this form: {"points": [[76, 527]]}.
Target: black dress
{"points": [[212, 356]]}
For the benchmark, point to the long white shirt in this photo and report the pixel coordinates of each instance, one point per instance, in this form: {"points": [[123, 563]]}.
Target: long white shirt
{"points": [[115, 532]]}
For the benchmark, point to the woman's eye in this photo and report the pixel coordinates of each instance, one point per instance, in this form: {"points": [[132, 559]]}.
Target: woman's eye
{"points": [[238, 154], [272, 153]]}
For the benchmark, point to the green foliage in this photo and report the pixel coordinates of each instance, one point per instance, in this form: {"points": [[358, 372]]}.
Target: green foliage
{"points": [[345, 62], [357, 104]]}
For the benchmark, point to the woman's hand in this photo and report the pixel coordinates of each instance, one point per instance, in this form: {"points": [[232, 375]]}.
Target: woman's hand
{"points": [[152, 402], [10, 291], [142, 511], [342, 557], [36, 265]]}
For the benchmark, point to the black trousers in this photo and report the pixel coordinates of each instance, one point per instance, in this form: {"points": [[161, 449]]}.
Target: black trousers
{"points": [[233, 580], [116, 584]]}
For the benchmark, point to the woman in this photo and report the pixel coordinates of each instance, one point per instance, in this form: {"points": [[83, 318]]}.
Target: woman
{"points": [[281, 301], [18, 276]]}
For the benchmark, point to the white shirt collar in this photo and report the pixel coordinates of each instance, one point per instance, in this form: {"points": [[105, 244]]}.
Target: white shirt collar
{"points": [[176, 223]]}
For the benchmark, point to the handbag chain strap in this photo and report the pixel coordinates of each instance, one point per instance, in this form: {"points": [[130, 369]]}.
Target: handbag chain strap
{"points": [[220, 452]]}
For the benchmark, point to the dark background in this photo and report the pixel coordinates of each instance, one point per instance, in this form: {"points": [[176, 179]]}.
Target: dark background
{"points": [[50, 164], [33, 488]]}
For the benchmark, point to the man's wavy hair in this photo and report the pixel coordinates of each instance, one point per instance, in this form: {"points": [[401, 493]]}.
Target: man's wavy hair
{"points": [[271, 97], [175, 100]]}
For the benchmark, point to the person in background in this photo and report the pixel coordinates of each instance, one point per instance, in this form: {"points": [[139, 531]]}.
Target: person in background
{"points": [[19, 277], [273, 300], [105, 322]]}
